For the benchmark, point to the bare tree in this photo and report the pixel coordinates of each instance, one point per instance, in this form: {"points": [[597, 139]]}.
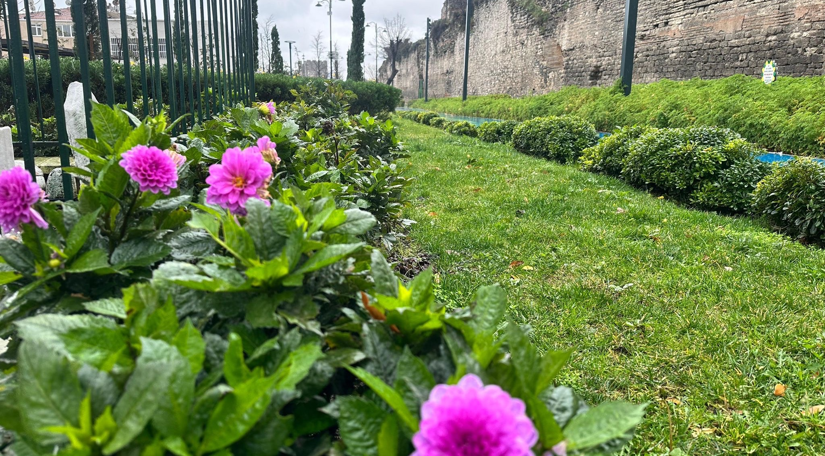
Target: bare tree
{"points": [[266, 43], [318, 47], [396, 33]]}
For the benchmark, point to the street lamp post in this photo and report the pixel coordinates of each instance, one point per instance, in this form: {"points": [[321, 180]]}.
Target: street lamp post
{"points": [[290, 56], [376, 47], [329, 13]]}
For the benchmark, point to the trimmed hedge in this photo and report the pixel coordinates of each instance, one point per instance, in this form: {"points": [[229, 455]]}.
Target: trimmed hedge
{"points": [[608, 155], [372, 97], [786, 115], [792, 198], [501, 132], [558, 138], [712, 168]]}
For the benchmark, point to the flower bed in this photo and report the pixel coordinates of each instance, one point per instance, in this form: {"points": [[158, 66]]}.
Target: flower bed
{"points": [[222, 294]]}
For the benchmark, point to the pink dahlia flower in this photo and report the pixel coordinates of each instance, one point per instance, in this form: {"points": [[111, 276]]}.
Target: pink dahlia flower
{"points": [[267, 149], [177, 158], [242, 174], [18, 195], [470, 419], [271, 106], [153, 169]]}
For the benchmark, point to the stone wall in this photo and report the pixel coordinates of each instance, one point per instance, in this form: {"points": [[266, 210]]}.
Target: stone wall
{"points": [[519, 47]]}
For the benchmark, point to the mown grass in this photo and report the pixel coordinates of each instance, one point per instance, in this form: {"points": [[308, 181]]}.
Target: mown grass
{"points": [[702, 315]]}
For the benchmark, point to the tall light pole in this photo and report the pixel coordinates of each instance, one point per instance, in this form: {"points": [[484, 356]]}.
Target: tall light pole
{"points": [[329, 13], [631, 11], [427, 66], [376, 47], [467, 48], [290, 56]]}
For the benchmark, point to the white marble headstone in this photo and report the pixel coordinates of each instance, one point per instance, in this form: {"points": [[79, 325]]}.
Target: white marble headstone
{"points": [[6, 149], [75, 108]]}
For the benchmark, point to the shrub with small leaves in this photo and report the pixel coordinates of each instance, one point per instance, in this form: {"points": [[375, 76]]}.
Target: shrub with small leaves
{"points": [[792, 197], [501, 132], [438, 122], [557, 138], [426, 117], [462, 127], [608, 155]]}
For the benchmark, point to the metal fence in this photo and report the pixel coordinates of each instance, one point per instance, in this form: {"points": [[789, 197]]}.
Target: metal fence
{"points": [[205, 48]]}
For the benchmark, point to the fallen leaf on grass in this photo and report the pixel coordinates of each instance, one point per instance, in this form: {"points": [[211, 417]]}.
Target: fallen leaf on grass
{"points": [[527, 268], [525, 200], [661, 197], [728, 268], [437, 168], [673, 400], [477, 189], [516, 264], [814, 410], [432, 214], [620, 211], [779, 390]]}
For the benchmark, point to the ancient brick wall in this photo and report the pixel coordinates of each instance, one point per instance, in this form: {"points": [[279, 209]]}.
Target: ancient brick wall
{"points": [[520, 47]]}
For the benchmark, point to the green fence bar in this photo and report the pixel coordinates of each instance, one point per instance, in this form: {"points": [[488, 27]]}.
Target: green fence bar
{"points": [[57, 94], [33, 57], [215, 50], [103, 21], [188, 52], [127, 70], [196, 48], [205, 94], [142, 56], [156, 82], [252, 68], [180, 57], [223, 69], [170, 61], [21, 101], [82, 44]]}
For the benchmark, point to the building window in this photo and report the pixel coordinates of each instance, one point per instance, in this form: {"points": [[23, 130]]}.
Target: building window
{"points": [[37, 30], [66, 30]]}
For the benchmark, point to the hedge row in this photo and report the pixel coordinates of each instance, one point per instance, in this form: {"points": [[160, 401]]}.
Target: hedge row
{"points": [[456, 127], [705, 167], [372, 97], [785, 116]]}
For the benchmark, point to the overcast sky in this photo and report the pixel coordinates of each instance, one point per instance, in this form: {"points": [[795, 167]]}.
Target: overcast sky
{"points": [[299, 20]]}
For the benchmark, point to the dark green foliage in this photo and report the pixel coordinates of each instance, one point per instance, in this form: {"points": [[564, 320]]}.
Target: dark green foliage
{"points": [[785, 116], [426, 117], [608, 155], [355, 54], [557, 138], [276, 60], [372, 97], [712, 168], [92, 22], [501, 132], [438, 122], [792, 197]]}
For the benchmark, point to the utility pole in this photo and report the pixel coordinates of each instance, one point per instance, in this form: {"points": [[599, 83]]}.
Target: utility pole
{"points": [[427, 66], [467, 47], [376, 47], [631, 12], [329, 13], [290, 56]]}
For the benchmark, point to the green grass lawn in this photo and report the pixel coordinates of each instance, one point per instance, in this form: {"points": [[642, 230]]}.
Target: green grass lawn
{"points": [[699, 314]]}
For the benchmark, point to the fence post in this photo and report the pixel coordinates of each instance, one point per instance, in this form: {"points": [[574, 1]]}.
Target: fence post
{"points": [[82, 46], [21, 101], [57, 95], [124, 45], [142, 56], [193, 7], [170, 60], [33, 57], [253, 68], [106, 50]]}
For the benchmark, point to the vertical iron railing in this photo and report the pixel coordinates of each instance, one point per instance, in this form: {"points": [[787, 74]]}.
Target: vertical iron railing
{"points": [[192, 57]]}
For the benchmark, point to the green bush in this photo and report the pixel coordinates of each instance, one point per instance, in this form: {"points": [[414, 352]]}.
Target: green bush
{"points": [[786, 115], [712, 168], [608, 155], [792, 197], [462, 127], [426, 117], [371, 97], [438, 122], [501, 132], [557, 138]]}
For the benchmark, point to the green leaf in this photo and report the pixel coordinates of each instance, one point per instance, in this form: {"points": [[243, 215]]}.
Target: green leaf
{"points": [[549, 431], [388, 437], [386, 283], [7, 277], [297, 366], [191, 245], [238, 240], [92, 260], [327, 256], [112, 182], [237, 413], [524, 356], [109, 124], [176, 446], [48, 393], [79, 233], [360, 424], [491, 304], [551, 364], [190, 344], [234, 367], [172, 415], [112, 307], [261, 226], [605, 422], [17, 255], [205, 221], [358, 223], [147, 387], [413, 380], [138, 252], [169, 204], [389, 395]]}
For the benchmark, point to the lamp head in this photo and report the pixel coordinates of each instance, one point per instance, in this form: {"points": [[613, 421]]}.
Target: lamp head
{"points": [[318, 4]]}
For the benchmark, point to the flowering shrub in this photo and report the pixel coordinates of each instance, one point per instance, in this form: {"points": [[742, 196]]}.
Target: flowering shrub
{"points": [[557, 138], [147, 323]]}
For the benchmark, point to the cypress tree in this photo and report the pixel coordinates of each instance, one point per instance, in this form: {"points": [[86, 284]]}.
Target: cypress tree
{"points": [[355, 55], [276, 60]]}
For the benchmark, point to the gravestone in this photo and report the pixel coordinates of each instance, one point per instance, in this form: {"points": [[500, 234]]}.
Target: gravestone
{"points": [[75, 108], [54, 185], [37, 171], [6, 149]]}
